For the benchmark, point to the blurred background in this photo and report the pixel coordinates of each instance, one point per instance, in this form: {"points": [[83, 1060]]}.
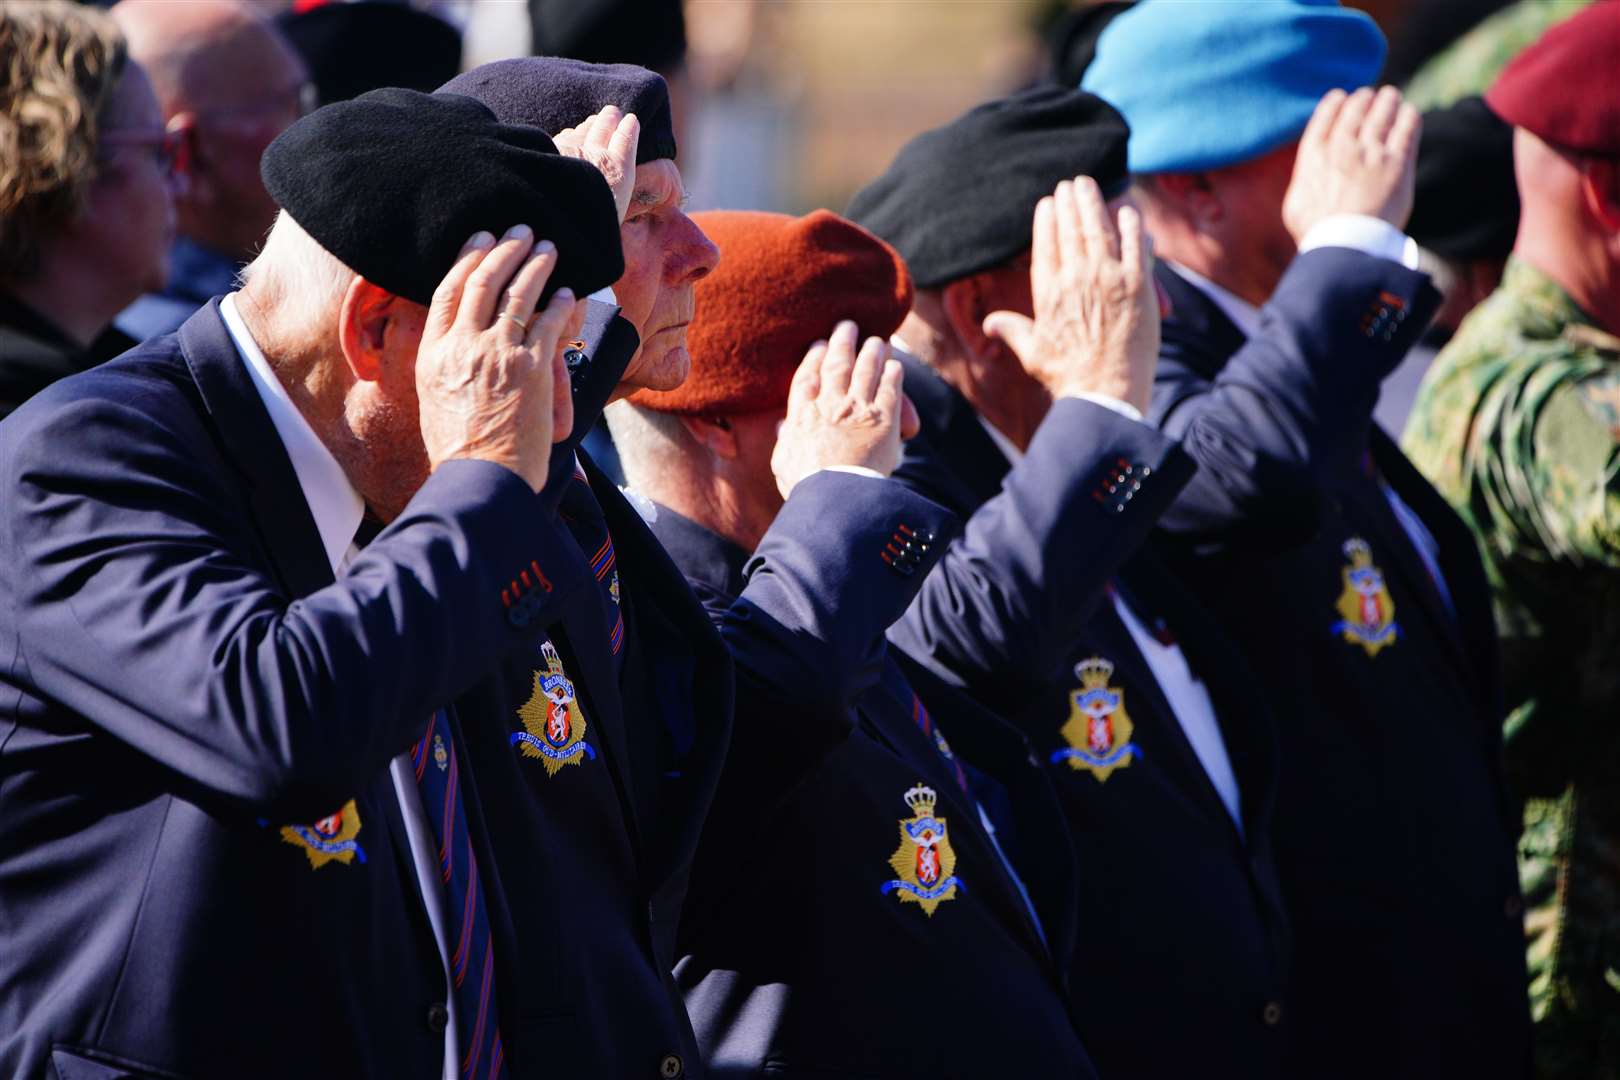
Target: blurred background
{"points": [[793, 104]]}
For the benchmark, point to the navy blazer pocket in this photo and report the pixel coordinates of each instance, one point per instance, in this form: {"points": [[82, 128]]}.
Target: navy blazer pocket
{"points": [[78, 1064]]}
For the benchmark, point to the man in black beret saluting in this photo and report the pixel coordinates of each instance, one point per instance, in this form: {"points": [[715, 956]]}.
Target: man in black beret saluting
{"points": [[1142, 717], [240, 837]]}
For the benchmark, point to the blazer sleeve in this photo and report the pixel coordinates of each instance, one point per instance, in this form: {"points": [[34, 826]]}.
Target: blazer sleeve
{"points": [[841, 561], [1270, 425], [998, 615], [144, 604]]}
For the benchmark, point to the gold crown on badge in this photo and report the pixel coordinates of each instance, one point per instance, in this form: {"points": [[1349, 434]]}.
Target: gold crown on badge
{"points": [[1094, 672], [1357, 551], [921, 799], [548, 653]]}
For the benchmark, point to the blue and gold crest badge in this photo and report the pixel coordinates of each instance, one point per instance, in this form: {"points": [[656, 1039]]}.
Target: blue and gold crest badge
{"points": [[1366, 609], [1098, 730], [554, 724], [924, 864], [331, 839]]}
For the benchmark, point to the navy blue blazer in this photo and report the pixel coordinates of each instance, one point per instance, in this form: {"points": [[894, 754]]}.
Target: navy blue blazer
{"points": [[1393, 829], [1182, 965], [593, 842], [203, 869], [819, 929]]}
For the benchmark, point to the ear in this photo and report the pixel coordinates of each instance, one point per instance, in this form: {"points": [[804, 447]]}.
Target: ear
{"points": [[363, 327], [1600, 188], [963, 301], [1194, 197], [194, 176], [715, 433]]}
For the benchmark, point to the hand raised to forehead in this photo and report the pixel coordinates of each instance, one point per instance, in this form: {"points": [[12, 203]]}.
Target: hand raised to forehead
{"points": [[844, 408], [1358, 155], [1096, 324], [490, 379], [607, 139]]}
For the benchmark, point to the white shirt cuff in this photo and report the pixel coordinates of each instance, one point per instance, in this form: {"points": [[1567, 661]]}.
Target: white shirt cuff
{"points": [[1363, 233], [604, 295], [855, 470], [1113, 404]]}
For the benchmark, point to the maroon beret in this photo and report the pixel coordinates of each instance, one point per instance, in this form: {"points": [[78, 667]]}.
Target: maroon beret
{"points": [[1562, 89], [783, 284]]}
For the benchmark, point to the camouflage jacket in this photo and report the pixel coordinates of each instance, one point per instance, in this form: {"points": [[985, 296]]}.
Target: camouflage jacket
{"points": [[1471, 64], [1518, 425]]}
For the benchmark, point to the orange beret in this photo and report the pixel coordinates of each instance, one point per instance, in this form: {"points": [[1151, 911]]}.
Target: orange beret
{"points": [[783, 283], [1562, 89]]}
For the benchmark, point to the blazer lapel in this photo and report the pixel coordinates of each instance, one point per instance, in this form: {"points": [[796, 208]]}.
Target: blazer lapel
{"points": [[1207, 337], [249, 441], [686, 691], [955, 430]]}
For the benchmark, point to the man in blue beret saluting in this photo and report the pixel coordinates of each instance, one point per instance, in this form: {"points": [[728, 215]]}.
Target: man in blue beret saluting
{"points": [[240, 836], [1276, 185]]}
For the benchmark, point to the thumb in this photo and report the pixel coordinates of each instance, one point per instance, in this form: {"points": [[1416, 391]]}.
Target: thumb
{"points": [[1017, 331]]}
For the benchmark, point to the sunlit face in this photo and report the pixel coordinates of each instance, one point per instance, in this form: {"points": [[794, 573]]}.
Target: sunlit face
{"points": [[665, 254]]}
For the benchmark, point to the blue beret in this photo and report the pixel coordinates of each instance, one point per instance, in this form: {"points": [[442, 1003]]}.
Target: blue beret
{"points": [[1221, 82]]}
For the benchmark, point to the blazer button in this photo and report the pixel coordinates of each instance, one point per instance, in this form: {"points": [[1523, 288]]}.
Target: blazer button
{"points": [[671, 1067], [438, 1017], [518, 616], [1271, 1014]]}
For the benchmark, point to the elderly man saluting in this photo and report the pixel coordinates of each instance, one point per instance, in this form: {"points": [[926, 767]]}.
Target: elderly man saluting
{"points": [[1276, 184], [238, 836]]}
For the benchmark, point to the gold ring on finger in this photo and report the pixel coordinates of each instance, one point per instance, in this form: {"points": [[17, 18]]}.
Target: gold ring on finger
{"points": [[523, 324]]}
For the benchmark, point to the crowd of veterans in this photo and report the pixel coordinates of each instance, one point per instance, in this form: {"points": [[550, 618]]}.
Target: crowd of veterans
{"points": [[462, 615]]}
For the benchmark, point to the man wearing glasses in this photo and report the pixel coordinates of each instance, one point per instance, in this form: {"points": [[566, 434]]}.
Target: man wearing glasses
{"points": [[228, 83]]}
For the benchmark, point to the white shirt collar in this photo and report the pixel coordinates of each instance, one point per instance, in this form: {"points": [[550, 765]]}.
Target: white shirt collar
{"points": [[334, 504], [1244, 315]]}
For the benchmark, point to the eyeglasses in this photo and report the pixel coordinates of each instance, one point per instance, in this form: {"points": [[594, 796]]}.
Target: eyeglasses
{"points": [[165, 146]]}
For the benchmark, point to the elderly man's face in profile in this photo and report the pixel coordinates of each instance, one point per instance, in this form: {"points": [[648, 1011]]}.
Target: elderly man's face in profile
{"points": [[665, 253]]}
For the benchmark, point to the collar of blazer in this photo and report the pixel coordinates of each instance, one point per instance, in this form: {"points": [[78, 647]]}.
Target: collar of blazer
{"points": [[248, 440]]}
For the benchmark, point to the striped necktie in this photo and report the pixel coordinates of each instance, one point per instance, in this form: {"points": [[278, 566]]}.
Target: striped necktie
{"points": [[583, 516], [472, 960]]}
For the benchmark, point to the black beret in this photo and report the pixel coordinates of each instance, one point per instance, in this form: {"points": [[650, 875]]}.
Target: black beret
{"points": [[395, 181], [1467, 202], [553, 93], [352, 48], [961, 198]]}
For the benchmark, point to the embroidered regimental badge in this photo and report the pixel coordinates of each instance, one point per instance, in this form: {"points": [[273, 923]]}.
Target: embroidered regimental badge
{"points": [[1367, 610], [924, 860], [1098, 730], [554, 724], [441, 756], [331, 839]]}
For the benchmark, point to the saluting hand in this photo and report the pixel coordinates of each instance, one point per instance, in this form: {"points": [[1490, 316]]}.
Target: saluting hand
{"points": [[1096, 324], [1358, 155], [843, 409], [607, 139], [491, 383]]}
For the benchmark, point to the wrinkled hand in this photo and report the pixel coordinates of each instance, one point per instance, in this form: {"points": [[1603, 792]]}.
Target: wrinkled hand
{"points": [[1096, 324], [607, 140], [843, 409], [491, 384], [1358, 156]]}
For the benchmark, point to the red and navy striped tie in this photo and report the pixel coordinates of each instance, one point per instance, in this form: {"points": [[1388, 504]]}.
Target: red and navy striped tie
{"points": [[583, 515], [472, 956]]}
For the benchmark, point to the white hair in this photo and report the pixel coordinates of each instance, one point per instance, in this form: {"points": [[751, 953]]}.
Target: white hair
{"points": [[302, 281], [650, 445]]}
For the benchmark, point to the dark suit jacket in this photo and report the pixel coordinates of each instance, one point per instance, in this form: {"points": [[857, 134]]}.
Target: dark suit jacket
{"points": [[1393, 833], [593, 856], [800, 958], [34, 353], [182, 687], [1183, 955]]}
